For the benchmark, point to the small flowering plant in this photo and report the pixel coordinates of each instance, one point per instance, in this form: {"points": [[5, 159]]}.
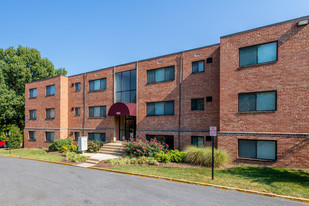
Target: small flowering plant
{"points": [[139, 148], [94, 146]]}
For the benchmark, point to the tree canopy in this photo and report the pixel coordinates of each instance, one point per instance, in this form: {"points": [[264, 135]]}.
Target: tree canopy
{"points": [[17, 67]]}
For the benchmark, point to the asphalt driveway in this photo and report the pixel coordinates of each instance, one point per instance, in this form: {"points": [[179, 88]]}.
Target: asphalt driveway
{"points": [[27, 182]]}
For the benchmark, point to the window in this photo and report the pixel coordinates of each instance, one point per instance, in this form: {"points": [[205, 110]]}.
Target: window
{"points": [[96, 85], [160, 108], [161, 74], [197, 141], [208, 138], [50, 90], [257, 149], [32, 93], [126, 86], [76, 135], [96, 136], [197, 104], [49, 136], [259, 101], [167, 139], [258, 54], [50, 113], [32, 114], [77, 86], [209, 99], [77, 111], [32, 136], [99, 111], [198, 66]]}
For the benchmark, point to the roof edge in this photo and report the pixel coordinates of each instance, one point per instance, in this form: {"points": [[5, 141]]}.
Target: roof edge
{"points": [[261, 27]]}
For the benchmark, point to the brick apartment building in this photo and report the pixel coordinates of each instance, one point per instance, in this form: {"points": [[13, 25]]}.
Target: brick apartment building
{"points": [[253, 85]]}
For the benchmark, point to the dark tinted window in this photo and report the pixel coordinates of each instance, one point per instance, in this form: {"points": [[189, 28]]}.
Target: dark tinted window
{"points": [[50, 90], [197, 104], [99, 111], [160, 108], [161, 74], [198, 66], [96, 136], [260, 101], [197, 141], [96, 85], [32, 93]]}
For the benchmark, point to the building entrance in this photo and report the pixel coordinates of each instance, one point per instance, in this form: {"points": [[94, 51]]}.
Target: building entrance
{"points": [[127, 127]]}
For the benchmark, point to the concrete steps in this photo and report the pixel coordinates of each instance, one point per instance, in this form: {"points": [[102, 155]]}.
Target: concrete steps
{"points": [[112, 148]]}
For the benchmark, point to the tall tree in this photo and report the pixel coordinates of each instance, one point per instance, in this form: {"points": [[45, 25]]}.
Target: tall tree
{"points": [[17, 67]]}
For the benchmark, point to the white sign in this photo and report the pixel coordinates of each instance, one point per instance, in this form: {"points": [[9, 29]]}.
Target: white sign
{"points": [[213, 131], [82, 143]]}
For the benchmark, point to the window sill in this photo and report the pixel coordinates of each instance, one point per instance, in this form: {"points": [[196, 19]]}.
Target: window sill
{"points": [[32, 97], [256, 65], [256, 160], [256, 112], [159, 82], [101, 90], [49, 119], [198, 72], [160, 115], [50, 95], [194, 110], [96, 117], [77, 91], [32, 119], [31, 140], [48, 142]]}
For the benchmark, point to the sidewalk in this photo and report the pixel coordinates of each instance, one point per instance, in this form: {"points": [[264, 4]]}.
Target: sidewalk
{"points": [[95, 158]]}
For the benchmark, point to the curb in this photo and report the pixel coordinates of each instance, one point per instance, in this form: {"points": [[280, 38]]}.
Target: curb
{"points": [[174, 180]]}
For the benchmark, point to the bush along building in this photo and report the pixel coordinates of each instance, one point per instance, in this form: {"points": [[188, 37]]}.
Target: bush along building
{"points": [[253, 85]]}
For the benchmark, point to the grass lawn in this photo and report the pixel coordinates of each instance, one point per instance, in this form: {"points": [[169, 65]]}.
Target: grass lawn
{"points": [[32, 153], [291, 182]]}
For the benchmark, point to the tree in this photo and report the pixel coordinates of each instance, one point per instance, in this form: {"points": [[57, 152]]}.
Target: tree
{"points": [[17, 67]]}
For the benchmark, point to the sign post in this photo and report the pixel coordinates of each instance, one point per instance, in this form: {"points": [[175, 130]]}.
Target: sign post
{"points": [[82, 144], [213, 133]]}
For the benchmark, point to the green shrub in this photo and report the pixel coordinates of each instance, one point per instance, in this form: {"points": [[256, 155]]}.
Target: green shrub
{"points": [[142, 160], [72, 147], [110, 161], [203, 156], [65, 148], [15, 140], [57, 145], [152, 161], [133, 161], [163, 157], [176, 156], [74, 157]]}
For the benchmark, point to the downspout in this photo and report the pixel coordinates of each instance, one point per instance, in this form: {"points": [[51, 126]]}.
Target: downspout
{"points": [[179, 115], [84, 102], [114, 100], [136, 118]]}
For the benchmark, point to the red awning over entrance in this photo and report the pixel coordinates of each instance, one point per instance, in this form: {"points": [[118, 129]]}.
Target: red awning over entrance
{"points": [[122, 109]]}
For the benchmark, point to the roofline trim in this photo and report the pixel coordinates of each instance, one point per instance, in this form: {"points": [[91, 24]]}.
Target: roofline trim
{"points": [[261, 27]]}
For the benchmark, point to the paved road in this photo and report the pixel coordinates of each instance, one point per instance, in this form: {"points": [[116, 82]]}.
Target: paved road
{"points": [[26, 182]]}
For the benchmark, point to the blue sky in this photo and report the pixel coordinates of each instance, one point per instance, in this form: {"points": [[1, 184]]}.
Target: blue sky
{"points": [[88, 35]]}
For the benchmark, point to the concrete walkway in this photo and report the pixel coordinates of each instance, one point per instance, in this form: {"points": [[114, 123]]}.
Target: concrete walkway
{"points": [[95, 158]]}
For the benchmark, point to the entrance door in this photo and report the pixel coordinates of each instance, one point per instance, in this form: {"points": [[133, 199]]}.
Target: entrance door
{"points": [[127, 127]]}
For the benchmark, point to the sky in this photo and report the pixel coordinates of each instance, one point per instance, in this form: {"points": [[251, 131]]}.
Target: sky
{"points": [[86, 35]]}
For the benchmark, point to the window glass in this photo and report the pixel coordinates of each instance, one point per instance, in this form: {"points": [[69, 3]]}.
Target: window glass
{"points": [[96, 111], [126, 84], [91, 111], [266, 150], [247, 102], [247, 56], [76, 135], [118, 81], [96, 136], [150, 76], [32, 114], [118, 97], [77, 86], [102, 111], [32, 135], [194, 67], [126, 97], [247, 149], [49, 136], [197, 141], [97, 85], [150, 109], [77, 111], [50, 113], [169, 73], [133, 96], [167, 139], [33, 93], [133, 79], [267, 52], [169, 108], [266, 101], [200, 66], [159, 108], [50, 90], [160, 73], [197, 104]]}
